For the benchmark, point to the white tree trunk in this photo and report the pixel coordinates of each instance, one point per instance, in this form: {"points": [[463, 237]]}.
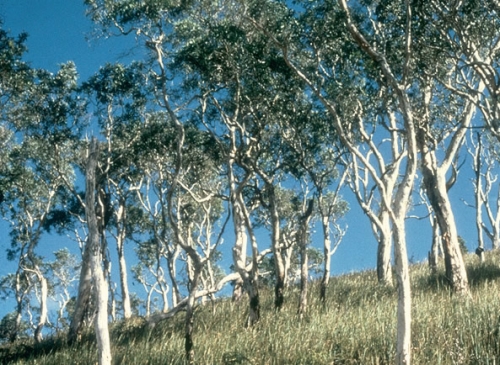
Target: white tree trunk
{"points": [[384, 249], [403, 348], [100, 285], [437, 246], [44, 293], [327, 247], [122, 263], [248, 278]]}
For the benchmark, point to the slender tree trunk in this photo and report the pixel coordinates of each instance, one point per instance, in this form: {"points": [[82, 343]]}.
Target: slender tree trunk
{"points": [[327, 247], [384, 250], [436, 247], [189, 321], [253, 283], [403, 349], [122, 263], [83, 299], [248, 279], [100, 285], [435, 185], [287, 254], [14, 334], [304, 275], [172, 272], [44, 293], [302, 240], [279, 287]]}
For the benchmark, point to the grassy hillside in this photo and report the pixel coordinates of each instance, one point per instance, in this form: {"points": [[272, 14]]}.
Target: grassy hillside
{"points": [[356, 327]]}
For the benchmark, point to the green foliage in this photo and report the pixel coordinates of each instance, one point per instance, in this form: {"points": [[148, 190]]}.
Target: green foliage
{"points": [[357, 326], [9, 329]]}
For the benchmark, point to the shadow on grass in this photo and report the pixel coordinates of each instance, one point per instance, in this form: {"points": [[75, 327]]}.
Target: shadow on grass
{"points": [[432, 282], [480, 273], [477, 274], [27, 349]]}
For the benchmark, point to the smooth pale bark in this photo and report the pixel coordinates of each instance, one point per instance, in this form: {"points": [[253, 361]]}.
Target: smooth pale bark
{"points": [[379, 217], [384, 249], [436, 247], [44, 293], [395, 203], [327, 247], [403, 347], [122, 263], [19, 311], [252, 285], [398, 206], [248, 278], [172, 273], [100, 285]]}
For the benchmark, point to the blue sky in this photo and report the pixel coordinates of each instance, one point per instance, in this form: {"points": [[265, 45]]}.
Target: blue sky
{"points": [[60, 32]]}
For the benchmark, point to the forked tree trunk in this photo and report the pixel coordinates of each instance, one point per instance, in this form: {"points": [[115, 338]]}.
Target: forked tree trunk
{"points": [[435, 185], [100, 285], [248, 280]]}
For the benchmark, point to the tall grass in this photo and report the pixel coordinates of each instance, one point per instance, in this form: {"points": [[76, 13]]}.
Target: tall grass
{"points": [[357, 326]]}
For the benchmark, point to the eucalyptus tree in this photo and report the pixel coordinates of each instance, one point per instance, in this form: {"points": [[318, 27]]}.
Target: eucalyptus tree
{"points": [[42, 115], [150, 185], [62, 274], [44, 112], [444, 118], [94, 243], [153, 23], [119, 103], [343, 70], [256, 99], [469, 31], [483, 150]]}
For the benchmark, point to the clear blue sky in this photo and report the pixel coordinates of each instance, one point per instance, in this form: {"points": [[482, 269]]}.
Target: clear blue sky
{"points": [[59, 32]]}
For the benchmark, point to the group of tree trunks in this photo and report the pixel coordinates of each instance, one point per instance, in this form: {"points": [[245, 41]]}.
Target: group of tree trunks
{"points": [[254, 114]]}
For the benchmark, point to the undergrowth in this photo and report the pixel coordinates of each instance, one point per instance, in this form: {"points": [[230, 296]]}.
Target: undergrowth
{"points": [[356, 326]]}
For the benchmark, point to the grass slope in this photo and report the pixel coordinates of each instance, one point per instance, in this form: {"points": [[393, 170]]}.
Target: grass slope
{"points": [[358, 326]]}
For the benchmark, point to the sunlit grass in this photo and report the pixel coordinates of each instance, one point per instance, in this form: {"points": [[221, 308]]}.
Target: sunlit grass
{"points": [[357, 326]]}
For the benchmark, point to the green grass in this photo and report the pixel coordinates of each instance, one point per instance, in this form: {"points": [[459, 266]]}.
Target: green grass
{"points": [[357, 326]]}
